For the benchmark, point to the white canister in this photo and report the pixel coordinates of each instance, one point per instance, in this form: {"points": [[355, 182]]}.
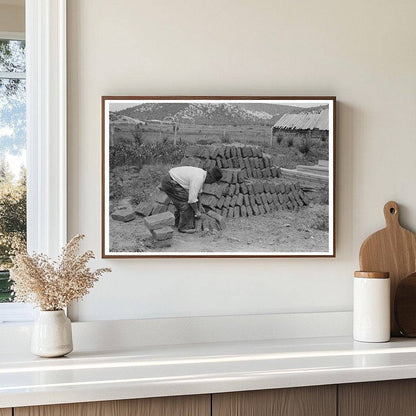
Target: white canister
{"points": [[371, 307]]}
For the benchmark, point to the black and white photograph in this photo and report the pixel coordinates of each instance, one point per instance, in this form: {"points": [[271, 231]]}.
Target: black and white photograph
{"points": [[218, 176]]}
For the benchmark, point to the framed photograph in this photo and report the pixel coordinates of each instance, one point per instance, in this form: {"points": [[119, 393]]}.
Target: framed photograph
{"points": [[218, 176]]}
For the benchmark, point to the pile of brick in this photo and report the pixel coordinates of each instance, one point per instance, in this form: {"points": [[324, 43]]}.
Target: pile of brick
{"points": [[123, 214], [250, 159], [210, 221], [160, 226], [124, 211], [162, 203], [239, 197], [250, 186]]}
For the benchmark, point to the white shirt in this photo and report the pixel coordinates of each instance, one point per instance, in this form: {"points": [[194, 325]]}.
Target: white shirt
{"points": [[189, 178]]}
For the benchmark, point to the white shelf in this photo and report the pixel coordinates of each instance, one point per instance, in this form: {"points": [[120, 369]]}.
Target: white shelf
{"points": [[151, 371]]}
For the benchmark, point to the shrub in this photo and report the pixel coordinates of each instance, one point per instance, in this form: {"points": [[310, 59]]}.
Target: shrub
{"points": [[225, 138], [252, 142], [206, 141], [319, 217], [138, 135], [140, 154], [324, 198], [304, 147], [321, 222]]}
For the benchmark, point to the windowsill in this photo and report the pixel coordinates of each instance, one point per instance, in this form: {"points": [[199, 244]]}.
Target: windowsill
{"points": [[16, 313]]}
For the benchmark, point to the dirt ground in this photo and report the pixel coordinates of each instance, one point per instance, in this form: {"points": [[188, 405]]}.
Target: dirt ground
{"points": [[278, 231]]}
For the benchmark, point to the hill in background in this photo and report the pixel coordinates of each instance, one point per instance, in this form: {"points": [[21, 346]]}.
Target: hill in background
{"points": [[214, 113]]}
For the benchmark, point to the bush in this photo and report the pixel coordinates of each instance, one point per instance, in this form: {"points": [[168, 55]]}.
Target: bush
{"points": [[138, 135], [324, 198], [319, 219], [253, 142], [205, 141], [140, 154], [321, 222], [305, 147], [225, 138]]}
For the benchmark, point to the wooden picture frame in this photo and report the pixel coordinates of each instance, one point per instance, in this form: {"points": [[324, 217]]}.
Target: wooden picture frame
{"points": [[270, 142]]}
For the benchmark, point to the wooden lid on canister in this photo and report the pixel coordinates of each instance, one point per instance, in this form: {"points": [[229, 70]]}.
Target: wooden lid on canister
{"points": [[372, 275]]}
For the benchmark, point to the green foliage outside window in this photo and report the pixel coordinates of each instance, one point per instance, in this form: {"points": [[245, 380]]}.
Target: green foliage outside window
{"points": [[12, 145], [12, 223]]}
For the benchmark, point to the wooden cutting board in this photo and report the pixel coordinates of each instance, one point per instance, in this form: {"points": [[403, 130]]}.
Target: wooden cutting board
{"points": [[405, 306], [393, 250]]}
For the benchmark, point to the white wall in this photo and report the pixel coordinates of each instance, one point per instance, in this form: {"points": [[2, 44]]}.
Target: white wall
{"points": [[12, 18], [361, 51]]}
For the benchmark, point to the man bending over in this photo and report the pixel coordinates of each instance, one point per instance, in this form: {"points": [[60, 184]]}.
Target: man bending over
{"points": [[183, 186]]}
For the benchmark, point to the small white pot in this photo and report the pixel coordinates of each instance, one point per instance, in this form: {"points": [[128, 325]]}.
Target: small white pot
{"points": [[52, 334]]}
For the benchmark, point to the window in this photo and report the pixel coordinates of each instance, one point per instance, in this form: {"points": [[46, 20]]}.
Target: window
{"points": [[12, 153], [45, 90]]}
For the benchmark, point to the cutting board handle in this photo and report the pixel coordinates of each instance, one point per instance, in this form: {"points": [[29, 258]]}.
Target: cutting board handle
{"points": [[391, 214]]}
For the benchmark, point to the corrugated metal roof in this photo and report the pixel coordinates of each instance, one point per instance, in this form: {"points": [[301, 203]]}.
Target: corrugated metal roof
{"points": [[304, 121]]}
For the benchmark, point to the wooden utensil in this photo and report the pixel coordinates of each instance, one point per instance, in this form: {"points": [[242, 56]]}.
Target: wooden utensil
{"points": [[392, 249], [405, 306]]}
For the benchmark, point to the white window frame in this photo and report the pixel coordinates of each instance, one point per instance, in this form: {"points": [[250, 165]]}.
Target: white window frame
{"points": [[14, 312], [46, 128]]}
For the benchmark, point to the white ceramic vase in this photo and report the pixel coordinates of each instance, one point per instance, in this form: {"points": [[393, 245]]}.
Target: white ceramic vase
{"points": [[52, 334]]}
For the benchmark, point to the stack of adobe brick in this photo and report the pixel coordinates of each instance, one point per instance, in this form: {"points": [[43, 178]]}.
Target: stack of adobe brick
{"points": [[237, 196], [250, 185], [123, 211], [210, 221], [160, 226], [161, 203], [250, 159]]}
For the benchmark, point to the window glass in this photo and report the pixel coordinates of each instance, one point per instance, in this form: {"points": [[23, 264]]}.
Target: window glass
{"points": [[12, 156], [12, 56]]}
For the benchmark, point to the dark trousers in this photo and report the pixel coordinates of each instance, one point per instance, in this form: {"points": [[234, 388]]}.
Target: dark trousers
{"points": [[179, 197]]}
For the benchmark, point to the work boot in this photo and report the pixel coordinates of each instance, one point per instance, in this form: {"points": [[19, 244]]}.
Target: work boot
{"points": [[189, 231], [186, 220]]}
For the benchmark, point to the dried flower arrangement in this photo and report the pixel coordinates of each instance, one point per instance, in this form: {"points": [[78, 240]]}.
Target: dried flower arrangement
{"points": [[53, 285]]}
